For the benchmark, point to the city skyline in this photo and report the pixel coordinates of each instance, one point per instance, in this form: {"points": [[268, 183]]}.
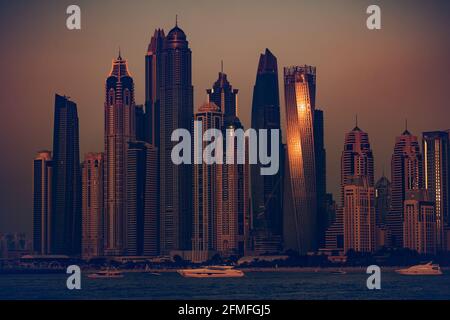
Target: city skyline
{"points": [[44, 142]]}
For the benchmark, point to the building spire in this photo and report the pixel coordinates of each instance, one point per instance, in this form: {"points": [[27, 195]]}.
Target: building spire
{"points": [[221, 66], [356, 120], [120, 56], [176, 20]]}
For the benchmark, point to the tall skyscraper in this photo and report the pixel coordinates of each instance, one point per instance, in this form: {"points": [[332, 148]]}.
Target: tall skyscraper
{"points": [[267, 201], [321, 181], [300, 218], [153, 82], [42, 201], [233, 221], [223, 95], [119, 130], [92, 205], [356, 161], [406, 175], [436, 153], [142, 199], [419, 225], [140, 122], [176, 112], [359, 215], [206, 195], [66, 185]]}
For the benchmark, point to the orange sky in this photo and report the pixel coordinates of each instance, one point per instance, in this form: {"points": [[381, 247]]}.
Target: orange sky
{"points": [[401, 71]]}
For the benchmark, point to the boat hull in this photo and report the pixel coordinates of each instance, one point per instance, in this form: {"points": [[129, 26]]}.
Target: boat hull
{"points": [[207, 274]]}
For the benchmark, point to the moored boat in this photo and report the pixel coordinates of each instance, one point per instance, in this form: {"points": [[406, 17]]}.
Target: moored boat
{"points": [[106, 274]]}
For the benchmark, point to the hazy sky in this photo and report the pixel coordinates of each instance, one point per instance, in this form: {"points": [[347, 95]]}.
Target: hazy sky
{"points": [[401, 71]]}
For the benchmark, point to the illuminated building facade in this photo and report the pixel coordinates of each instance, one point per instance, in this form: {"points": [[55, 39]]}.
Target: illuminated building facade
{"points": [[300, 216], [436, 177]]}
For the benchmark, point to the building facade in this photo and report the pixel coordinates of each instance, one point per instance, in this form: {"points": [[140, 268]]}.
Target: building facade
{"points": [[300, 216], [119, 130], [42, 202], [92, 206], [66, 180]]}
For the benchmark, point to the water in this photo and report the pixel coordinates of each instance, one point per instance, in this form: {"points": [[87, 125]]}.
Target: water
{"points": [[255, 285]]}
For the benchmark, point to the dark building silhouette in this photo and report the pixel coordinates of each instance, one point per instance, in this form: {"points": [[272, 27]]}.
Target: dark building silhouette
{"points": [[42, 201], [176, 112], [406, 175], [436, 152], [119, 130], [267, 200], [321, 180], [66, 191], [383, 191], [223, 95], [140, 120], [153, 76], [142, 211]]}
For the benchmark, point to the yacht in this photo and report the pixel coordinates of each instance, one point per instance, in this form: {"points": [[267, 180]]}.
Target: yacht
{"points": [[212, 272], [428, 269], [106, 274]]}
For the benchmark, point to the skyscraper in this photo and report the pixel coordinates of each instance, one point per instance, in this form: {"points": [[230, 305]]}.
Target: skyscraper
{"points": [[42, 204], [233, 221], [153, 82], [356, 161], [300, 218], [142, 199], [223, 95], [419, 225], [92, 205], [66, 185], [436, 154], [119, 130], [267, 202], [359, 215], [176, 112], [206, 194], [406, 175], [321, 181]]}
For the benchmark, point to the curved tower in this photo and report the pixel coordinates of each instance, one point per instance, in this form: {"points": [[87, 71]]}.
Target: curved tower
{"points": [[300, 218]]}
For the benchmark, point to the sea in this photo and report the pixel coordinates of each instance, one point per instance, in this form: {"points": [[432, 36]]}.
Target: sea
{"points": [[253, 286]]}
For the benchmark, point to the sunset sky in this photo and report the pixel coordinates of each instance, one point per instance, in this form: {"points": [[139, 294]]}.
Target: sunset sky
{"points": [[384, 76]]}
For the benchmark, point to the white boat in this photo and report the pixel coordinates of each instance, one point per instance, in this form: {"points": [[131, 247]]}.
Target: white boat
{"points": [[212, 272], [106, 274], [428, 269]]}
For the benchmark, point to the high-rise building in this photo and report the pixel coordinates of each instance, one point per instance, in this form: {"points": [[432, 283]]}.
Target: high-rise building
{"points": [[176, 112], [233, 220], [419, 224], [356, 161], [206, 195], [267, 200], [153, 82], [119, 130], [436, 154], [321, 181], [66, 185], [140, 119], [42, 201], [383, 192], [359, 215], [223, 95], [142, 200], [300, 215], [92, 205], [406, 175]]}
